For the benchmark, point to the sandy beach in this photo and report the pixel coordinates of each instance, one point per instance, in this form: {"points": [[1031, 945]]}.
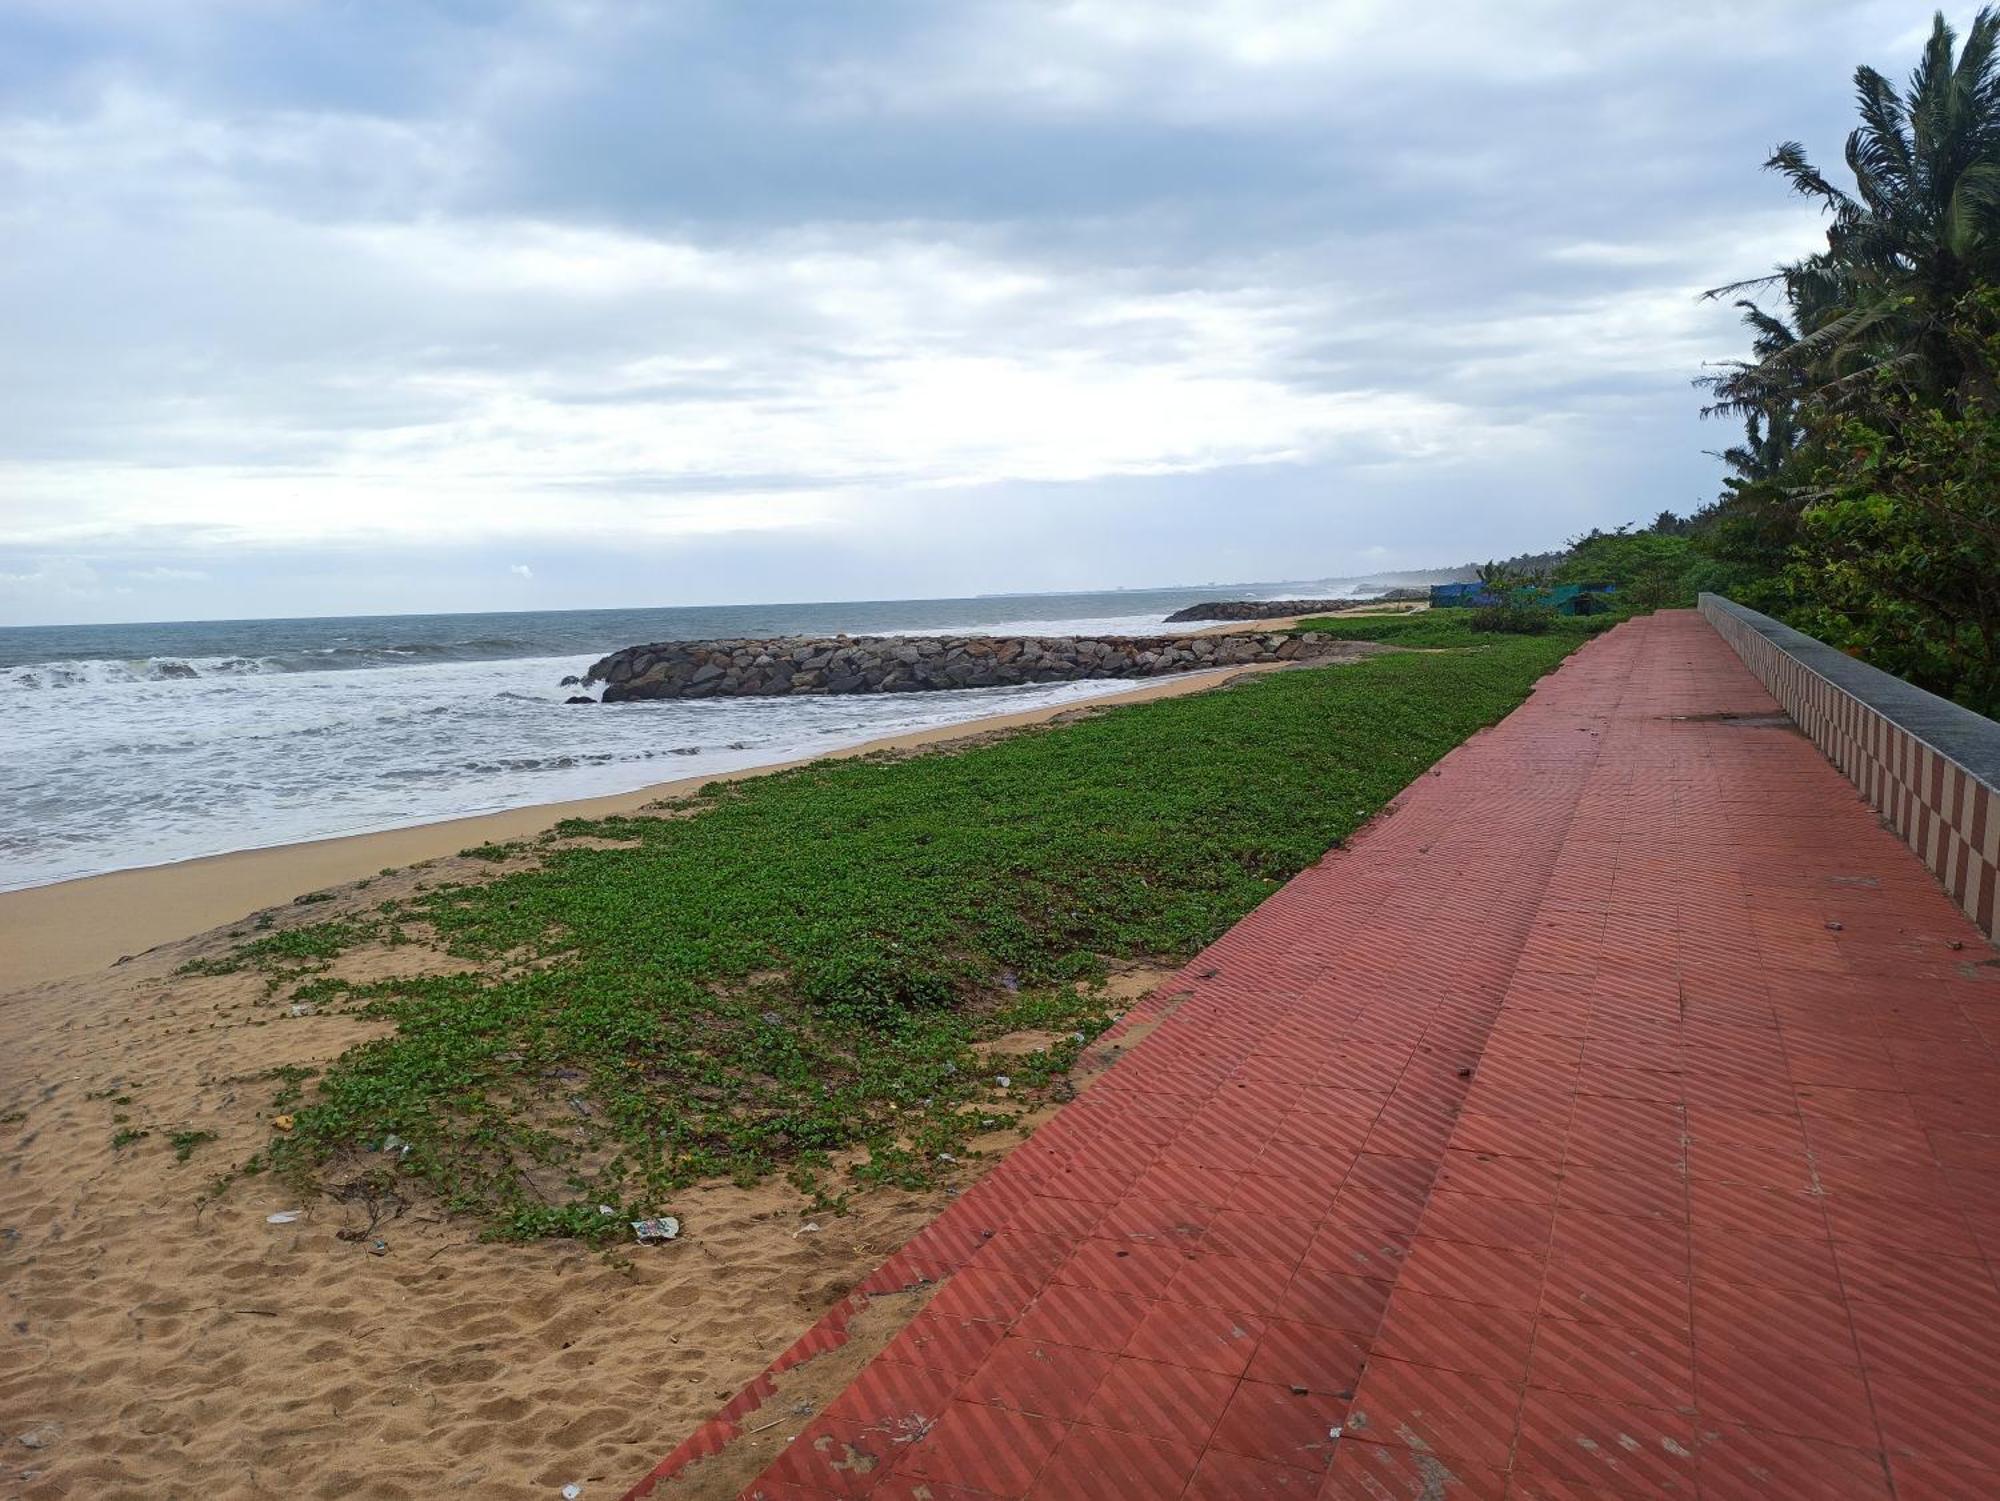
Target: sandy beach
{"points": [[159, 1342]]}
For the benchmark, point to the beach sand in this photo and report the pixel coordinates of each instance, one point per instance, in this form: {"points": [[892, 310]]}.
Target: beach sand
{"points": [[155, 1344]]}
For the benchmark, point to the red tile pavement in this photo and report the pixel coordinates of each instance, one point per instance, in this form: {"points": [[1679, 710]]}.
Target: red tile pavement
{"points": [[1619, 1117]]}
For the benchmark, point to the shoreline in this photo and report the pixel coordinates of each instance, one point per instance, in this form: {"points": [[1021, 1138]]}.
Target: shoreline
{"points": [[88, 923]]}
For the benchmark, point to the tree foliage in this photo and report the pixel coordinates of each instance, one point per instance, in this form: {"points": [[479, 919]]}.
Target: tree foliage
{"points": [[1650, 570], [1857, 503]]}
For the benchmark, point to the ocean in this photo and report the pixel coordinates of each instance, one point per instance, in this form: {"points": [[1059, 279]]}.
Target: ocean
{"points": [[131, 745]]}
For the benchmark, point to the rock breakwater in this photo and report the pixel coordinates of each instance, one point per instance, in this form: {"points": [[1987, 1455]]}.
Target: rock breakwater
{"points": [[914, 664], [1283, 609]]}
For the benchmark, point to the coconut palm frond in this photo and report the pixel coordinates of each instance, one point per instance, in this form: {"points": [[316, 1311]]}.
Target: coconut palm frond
{"points": [[1789, 160]]}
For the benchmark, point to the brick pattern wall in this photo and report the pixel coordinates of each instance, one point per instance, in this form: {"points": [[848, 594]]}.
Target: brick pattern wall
{"points": [[1949, 816]]}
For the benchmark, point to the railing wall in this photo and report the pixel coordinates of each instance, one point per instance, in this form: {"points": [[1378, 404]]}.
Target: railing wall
{"points": [[1929, 767]]}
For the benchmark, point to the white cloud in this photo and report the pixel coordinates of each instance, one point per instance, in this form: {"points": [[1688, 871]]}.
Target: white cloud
{"points": [[737, 388], [1251, 60], [521, 571], [617, 277], [54, 581]]}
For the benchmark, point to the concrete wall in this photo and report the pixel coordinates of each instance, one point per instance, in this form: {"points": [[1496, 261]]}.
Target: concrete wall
{"points": [[1931, 768]]}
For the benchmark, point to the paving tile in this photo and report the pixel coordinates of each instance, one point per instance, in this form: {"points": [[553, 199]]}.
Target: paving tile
{"points": [[892, 1395], [1872, 1220], [1599, 1292], [1309, 1356], [1266, 1421], [989, 1449], [1295, 1198], [1159, 1222], [1499, 1176], [767, 1489], [1431, 1408], [1958, 1285], [1762, 1389], [1035, 1376], [1026, 1253], [1938, 1420], [1222, 1476], [980, 1292], [1408, 1177], [1634, 1177], [1756, 1211], [943, 1343], [1501, 1135], [896, 1487], [1711, 1126], [1051, 1216], [1334, 1300], [1805, 1326], [1207, 1187], [1386, 1472], [1237, 1284], [1390, 1213], [1932, 1480], [1735, 1463], [835, 1457], [1360, 1250], [1159, 1399], [1083, 1316], [1203, 1339], [1507, 1223], [1474, 1274], [1649, 1246], [1472, 1337], [1626, 1190], [1579, 1440], [1265, 1237], [1140, 1271], [1648, 1366], [1102, 1464], [1806, 1266]]}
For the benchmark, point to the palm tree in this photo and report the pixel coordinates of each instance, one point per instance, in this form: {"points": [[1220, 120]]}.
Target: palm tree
{"points": [[1920, 230]]}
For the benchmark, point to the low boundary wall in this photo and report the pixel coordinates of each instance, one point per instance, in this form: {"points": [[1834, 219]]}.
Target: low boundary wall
{"points": [[1929, 767]]}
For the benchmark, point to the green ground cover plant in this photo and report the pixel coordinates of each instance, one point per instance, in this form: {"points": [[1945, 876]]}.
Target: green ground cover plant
{"points": [[808, 963], [1452, 628]]}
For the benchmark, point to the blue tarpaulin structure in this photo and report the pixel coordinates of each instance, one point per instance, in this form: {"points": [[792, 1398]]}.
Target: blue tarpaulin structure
{"points": [[1460, 596], [1564, 599]]}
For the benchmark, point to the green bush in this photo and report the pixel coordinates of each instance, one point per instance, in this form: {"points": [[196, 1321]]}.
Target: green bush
{"points": [[871, 985], [1650, 571], [1513, 619]]}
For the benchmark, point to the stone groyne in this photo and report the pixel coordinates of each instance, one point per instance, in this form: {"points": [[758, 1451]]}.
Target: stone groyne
{"points": [[913, 664], [1284, 609]]}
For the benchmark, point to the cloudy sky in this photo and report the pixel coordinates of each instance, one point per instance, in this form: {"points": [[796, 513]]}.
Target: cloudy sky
{"points": [[394, 305]]}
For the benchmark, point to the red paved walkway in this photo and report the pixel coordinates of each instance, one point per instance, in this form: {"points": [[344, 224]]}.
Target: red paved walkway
{"points": [[1619, 1118]]}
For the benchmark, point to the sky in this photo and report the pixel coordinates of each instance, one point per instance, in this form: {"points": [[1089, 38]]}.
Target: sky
{"points": [[411, 305]]}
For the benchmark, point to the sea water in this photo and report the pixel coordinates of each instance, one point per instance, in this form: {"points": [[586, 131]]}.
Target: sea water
{"points": [[128, 745]]}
